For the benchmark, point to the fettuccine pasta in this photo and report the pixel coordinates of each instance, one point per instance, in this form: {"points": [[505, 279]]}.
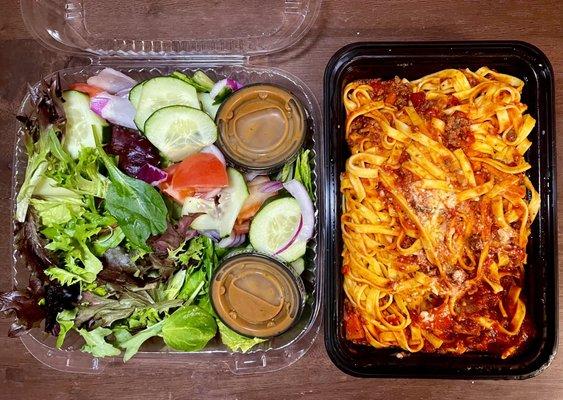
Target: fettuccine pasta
{"points": [[436, 212]]}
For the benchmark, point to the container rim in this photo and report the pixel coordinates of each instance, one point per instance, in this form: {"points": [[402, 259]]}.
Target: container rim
{"points": [[336, 64], [276, 357]]}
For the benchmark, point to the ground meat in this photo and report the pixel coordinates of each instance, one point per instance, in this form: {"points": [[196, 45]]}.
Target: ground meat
{"points": [[405, 178], [393, 92], [457, 134], [474, 242], [365, 128], [472, 81], [428, 108]]}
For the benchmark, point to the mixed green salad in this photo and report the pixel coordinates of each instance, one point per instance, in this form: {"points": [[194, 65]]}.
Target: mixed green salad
{"points": [[127, 208]]}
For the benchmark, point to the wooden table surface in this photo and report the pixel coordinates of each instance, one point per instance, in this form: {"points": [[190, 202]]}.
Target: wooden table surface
{"points": [[340, 22]]}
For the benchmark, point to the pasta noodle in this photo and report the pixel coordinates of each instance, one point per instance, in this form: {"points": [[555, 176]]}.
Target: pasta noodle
{"points": [[436, 212]]}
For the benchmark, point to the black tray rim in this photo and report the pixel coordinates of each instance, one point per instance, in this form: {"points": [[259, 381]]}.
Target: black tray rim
{"points": [[549, 350]]}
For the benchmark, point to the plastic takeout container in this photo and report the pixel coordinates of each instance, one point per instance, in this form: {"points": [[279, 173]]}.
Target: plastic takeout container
{"points": [[411, 61], [147, 38]]}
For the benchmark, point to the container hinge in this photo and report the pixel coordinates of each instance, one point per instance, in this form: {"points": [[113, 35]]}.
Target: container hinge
{"points": [[171, 59]]}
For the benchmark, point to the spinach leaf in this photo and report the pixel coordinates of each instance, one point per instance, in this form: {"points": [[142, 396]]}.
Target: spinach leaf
{"points": [[138, 207], [188, 329]]}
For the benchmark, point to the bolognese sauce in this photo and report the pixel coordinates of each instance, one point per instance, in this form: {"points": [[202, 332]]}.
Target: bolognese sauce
{"points": [[436, 213]]}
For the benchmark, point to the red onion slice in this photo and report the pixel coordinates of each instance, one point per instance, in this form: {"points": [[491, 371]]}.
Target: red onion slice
{"points": [[123, 93], [111, 81], [211, 149], [285, 246], [250, 176], [232, 240], [212, 234], [226, 242], [240, 241], [298, 191], [117, 110], [98, 103], [234, 85], [271, 187]]}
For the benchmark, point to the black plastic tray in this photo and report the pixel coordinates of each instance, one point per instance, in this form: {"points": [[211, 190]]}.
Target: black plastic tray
{"points": [[413, 60]]}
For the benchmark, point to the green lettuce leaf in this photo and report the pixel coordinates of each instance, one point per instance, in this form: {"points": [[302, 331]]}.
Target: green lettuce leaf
{"points": [[121, 334], [132, 344], [96, 343], [190, 256], [143, 318], [300, 170], [108, 241], [81, 176], [188, 329], [286, 174], [175, 283], [66, 321], [234, 341], [36, 166], [73, 241], [303, 171], [205, 305], [58, 210], [200, 81], [192, 284], [138, 306], [48, 188]]}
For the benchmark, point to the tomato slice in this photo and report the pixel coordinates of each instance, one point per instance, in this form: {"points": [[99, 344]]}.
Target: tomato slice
{"points": [[179, 195], [166, 187], [86, 89], [201, 170]]}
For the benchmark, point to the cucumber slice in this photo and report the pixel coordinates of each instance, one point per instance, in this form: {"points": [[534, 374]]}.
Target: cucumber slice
{"points": [[195, 205], [298, 265], [160, 92], [293, 252], [274, 225], [178, 131], [81, 123], [207, 104], [231, 200], [135, 94]]}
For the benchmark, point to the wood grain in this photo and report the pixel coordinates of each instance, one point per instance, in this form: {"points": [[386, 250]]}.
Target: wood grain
{"points": [[340, 23]]}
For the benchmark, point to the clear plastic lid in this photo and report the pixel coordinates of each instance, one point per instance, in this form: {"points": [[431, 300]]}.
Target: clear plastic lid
{"points": [[168, 28]]}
